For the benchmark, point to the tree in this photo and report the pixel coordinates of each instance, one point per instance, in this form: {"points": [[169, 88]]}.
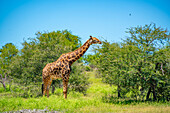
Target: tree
{"points": [[140, 61], [26, 67], [150, 40], [115, 65], [6, 53]]}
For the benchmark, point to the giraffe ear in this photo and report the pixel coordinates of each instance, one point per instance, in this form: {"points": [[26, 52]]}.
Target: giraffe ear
{"points": [[91, 37]]}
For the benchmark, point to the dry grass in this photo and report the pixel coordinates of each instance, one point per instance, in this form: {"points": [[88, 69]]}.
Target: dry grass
{"points": [[125, 109]]}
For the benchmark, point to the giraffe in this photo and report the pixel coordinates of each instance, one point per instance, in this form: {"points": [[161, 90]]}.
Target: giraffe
{"points": [[62, 67]]}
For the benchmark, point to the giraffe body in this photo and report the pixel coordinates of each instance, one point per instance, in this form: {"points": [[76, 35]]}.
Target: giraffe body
{"points": [[62, 67]]}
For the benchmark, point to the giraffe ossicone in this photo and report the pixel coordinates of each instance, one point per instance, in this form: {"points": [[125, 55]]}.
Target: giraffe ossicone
{"points": [[62, 67]]}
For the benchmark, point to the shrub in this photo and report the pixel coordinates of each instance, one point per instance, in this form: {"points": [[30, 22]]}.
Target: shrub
{"points": [[78, 79]]}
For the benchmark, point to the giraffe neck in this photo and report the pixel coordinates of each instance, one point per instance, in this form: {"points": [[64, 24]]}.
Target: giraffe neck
{"points": [[76, 54]]}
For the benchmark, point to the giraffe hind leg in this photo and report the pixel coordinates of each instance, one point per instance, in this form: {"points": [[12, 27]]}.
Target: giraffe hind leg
{"points": [[44, 86], [47, 84]]}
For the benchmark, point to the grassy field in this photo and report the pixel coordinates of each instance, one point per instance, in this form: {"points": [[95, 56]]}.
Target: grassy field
{"points": [[77, 102]]}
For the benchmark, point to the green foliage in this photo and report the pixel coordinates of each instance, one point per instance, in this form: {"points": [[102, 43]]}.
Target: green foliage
{"points": [[78, 78], [88, 68], [139, 63], [152, 65], [26, 67], [7, 52], [35, 54]]}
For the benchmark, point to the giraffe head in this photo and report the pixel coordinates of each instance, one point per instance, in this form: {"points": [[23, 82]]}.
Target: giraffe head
{"points": [[94, 40]]}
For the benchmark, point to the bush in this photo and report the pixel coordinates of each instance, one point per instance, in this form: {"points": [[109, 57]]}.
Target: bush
{"points": [[32, 90], [78, 79], [122, 101], [88, 68]]}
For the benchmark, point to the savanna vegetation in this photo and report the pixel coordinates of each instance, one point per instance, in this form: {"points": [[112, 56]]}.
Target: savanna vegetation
{"points": [[131, 76]]}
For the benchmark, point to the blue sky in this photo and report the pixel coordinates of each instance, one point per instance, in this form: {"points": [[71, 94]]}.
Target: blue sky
{"points": [[21, 19]]}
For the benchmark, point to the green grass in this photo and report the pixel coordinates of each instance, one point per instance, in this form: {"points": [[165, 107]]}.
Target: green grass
{"points": [[77, 102]]}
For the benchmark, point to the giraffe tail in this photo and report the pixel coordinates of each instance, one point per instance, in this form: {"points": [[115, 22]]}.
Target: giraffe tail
{"points": [[42, 88]]}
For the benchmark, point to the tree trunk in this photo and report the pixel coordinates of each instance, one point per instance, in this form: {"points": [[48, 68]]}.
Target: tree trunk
{"points": [[118, 89], [119, 96], [3, 81], [148, 94], [142, 93], [53, 89], [167, 98], [154, 93], [4, 85]]}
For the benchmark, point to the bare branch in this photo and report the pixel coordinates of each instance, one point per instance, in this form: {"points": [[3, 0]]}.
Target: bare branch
{"points": [[1, 76], [3, 80], [5, 76], [162, 68]]}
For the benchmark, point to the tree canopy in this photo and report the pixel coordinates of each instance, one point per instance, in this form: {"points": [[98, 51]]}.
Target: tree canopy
{"points": [[139, 65], [25, 65], [7, 52]]}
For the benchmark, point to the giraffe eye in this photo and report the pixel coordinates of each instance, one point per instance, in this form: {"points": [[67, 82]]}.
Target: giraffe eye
{"points": [[95, 41]]}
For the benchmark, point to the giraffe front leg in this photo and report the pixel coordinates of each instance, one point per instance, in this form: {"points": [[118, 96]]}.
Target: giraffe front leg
{"points": [[65, 84], [44, 86]]}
